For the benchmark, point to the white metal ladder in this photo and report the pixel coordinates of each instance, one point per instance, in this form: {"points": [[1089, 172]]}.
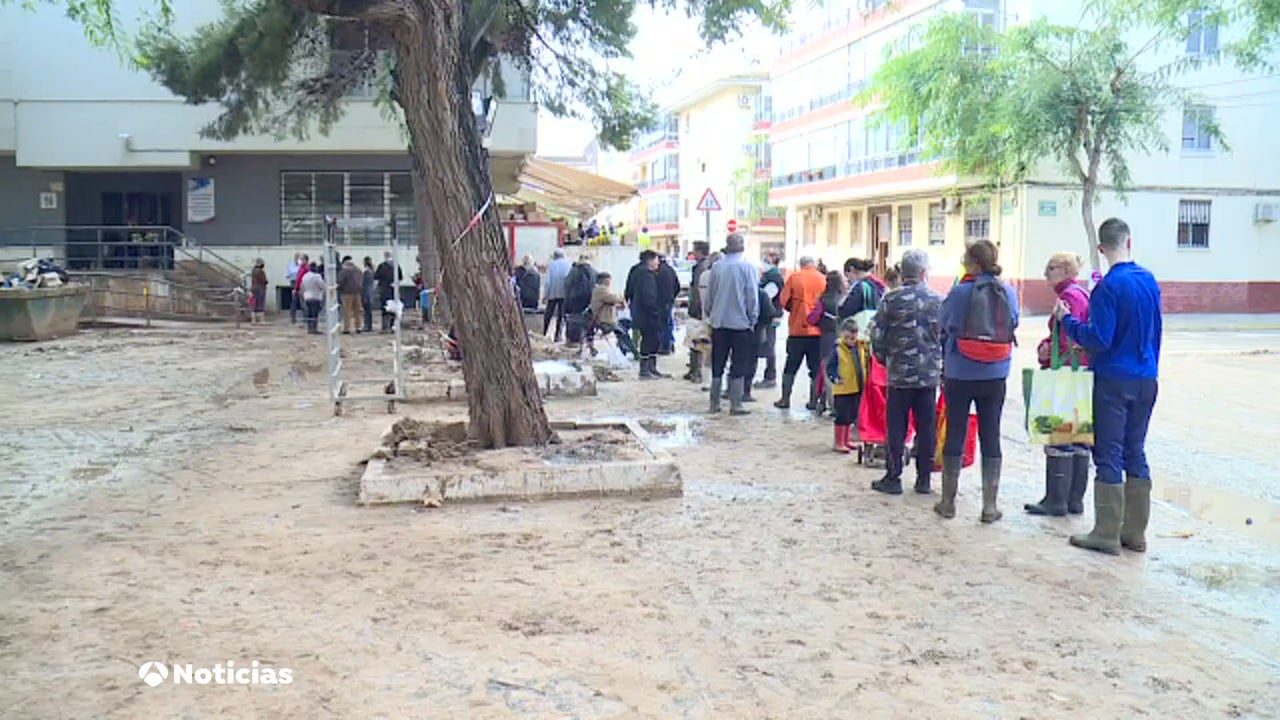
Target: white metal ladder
{"points": [[339, 389]]}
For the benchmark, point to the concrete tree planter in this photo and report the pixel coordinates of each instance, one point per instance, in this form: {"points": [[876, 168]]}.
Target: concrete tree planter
{"points": [[636, 469]]}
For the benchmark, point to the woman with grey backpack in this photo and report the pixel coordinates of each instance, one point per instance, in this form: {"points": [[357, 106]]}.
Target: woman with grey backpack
{"points": [[979, 318]]}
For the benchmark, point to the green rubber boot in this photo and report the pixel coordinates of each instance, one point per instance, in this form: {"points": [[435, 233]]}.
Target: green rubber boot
{"points": [[1137, 512], [946, 507], [1108, 510]]}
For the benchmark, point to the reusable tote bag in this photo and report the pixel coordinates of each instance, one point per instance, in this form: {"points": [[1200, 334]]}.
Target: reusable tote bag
{"points": [[1059, 401]]}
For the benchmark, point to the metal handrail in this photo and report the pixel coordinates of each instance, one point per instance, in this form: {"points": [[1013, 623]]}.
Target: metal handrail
{"points": [[168, 305], [154, 236]]}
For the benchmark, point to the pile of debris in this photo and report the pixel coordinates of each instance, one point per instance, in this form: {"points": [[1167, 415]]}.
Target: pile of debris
{"points": [[36, 273], [424, 441]]}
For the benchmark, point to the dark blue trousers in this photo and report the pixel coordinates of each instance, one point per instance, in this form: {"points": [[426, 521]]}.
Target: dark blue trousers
{"points": [[1121, 414]]}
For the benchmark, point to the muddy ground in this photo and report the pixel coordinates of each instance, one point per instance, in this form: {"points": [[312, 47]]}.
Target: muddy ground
{"points": [[185, 496]]}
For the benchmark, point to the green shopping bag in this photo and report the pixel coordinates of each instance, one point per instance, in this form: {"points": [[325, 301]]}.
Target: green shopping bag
{"points": [[1059, 401]]}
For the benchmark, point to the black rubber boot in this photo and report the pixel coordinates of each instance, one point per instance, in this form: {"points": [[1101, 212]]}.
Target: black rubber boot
{"points": [[812, 405], [1079, 481], [1108, 510], [946, 507], [990, 489], [715, 395], [1137, 512], [646, 373], [1058, 465], [784, 402], [735, 396]]}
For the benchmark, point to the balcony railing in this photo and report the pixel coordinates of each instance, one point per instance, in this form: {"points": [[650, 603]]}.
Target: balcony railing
{"points": [[648, 183], [654, 138], [763, 109], [845, 94], [849, 168]]}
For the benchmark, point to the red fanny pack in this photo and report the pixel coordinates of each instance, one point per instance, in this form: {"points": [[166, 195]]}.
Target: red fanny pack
{"points": [[985, 351]]}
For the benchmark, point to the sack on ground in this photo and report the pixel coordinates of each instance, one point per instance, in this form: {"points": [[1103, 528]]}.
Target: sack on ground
{"points": [[1060, 407]]}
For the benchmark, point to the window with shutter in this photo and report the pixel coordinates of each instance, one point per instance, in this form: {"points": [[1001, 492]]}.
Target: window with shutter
{"points": [[1193, 224]]}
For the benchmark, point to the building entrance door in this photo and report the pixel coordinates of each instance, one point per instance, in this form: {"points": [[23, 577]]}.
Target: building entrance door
{"points": [[880, 224]]}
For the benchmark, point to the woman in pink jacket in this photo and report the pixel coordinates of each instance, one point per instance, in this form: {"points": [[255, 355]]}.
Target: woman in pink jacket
{"points": [[1066, 466]]}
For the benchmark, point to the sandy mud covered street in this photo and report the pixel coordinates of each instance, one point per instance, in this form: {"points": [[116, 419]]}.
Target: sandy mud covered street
{"points": [[184, 495]]}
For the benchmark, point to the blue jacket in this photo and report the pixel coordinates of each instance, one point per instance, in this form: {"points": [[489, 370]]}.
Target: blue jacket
{"points": [[954, 364], [1124, 328]]}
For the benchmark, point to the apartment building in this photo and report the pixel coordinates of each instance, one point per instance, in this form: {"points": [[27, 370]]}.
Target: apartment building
{"points": [[1203, 216], [86, 142], [712, 138]]}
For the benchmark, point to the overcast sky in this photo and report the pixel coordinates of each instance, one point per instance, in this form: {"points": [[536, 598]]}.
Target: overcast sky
{"points": [[670, 59]]}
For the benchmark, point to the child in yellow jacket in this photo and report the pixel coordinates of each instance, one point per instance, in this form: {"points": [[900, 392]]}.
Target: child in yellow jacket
{"points": [[847, 369]]}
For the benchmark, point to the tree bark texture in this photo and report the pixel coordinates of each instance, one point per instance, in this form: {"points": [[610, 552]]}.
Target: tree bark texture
{"points": [[428, 252], [1087, 195], [432, 87]]}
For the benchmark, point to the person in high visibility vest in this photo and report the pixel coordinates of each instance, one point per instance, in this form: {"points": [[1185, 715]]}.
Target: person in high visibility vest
{"points": [[643, 241]]}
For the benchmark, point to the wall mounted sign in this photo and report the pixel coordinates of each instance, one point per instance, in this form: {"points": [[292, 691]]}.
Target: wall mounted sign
{"points": [[200, 205]]}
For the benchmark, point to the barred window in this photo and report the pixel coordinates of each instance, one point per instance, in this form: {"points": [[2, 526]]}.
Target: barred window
{"points": [[977, 221], [904, 225], [937, 225], [1193, 224], [307, 197]]}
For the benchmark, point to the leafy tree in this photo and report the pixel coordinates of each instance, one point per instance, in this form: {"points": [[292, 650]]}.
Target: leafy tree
{"points": [[1257, 21], [995, 104], [271, 66]]}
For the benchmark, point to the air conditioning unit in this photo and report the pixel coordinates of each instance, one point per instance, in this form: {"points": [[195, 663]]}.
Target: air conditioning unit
{"points": [[1266, 212], [951, 205], [744, 101]]}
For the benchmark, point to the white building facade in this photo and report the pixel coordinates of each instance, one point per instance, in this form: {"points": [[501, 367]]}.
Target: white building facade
{"points": [[1202, 215], [713, 138], [87, 142]]}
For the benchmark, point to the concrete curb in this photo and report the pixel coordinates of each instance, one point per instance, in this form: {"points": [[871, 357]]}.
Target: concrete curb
{"points": [[656, 476]]}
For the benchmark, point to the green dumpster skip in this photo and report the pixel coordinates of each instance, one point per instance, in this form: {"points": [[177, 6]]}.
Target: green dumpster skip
{"points": [[41, 313]]}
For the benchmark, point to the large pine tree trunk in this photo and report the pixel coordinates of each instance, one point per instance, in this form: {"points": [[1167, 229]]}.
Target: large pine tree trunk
{"points": [[432, 87]]}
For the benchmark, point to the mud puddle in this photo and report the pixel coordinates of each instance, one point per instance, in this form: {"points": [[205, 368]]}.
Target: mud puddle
{"points": [[1252, 517], [674, 431]]}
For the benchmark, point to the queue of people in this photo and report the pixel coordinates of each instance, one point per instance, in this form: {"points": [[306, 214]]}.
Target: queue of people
{"points": [[960, 347]]}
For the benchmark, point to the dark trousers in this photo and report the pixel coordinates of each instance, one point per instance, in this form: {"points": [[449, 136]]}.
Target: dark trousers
{"points": [[668, 342], [988, 396], [846, 408], [737, 347], [650, 339], [1121, 415], [554, 309], [368, 313], [806, 349], [769, 351], [761, 337], [922, 403], [313, 314], [295, 304]]}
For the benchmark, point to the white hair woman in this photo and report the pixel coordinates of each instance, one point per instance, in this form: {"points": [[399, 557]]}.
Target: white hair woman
{"points": [[1066, 473]]}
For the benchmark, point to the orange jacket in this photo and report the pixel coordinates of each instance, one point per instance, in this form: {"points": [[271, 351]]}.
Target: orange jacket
{"points": [[799, 295]]}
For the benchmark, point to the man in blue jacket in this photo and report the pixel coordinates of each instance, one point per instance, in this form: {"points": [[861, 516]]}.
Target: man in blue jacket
{"points": [[1122, 337]]}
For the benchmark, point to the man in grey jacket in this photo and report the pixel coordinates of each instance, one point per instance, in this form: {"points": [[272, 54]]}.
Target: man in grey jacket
{"points": [[557, 272], [732, 307]]}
